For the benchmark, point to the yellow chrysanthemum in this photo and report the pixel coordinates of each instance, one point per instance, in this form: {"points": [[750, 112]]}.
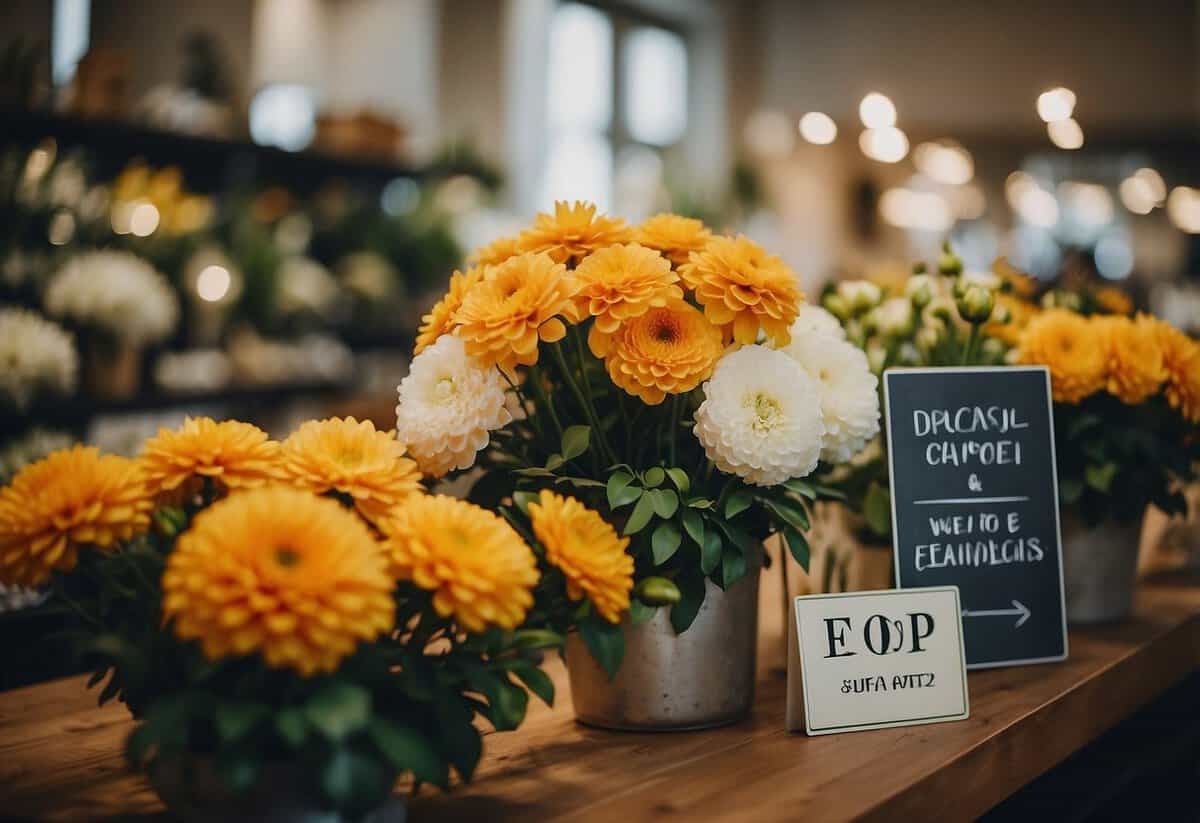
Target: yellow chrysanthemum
{"points": [[1134, 357], [1181, 361], [674, 236], [1019, 311], [233, 454], [440, 319], [587, 550], [1071, 347], [478, 568], [573, 232], [74, 498], [495, 252], [665, 351], [618, 283], [282, 573], [1113, 301], [353, 458], [517, 304], [742, 288]]}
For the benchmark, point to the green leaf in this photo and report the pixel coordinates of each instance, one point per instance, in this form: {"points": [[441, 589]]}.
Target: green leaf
{"points": [[1082, 423], [349, 778], [877, 509], [291, 727], [1100, 478], [640, 515], [620, 492], [681, 480], [654, 477], [665, 502], [234, 720], [693, 524], [459, 738], [738, 502], [733, 567], [238, 769], [700, 503], [523, 499], [691, 588], [790, 513], [339, 710], [554, 461], [575, 441], [640, 612], [534, 471], [665, 542], [802, 488], [710, 554], [656, 591], [507, 702], [536, 680], [1070, 489], [408, 750], [828, 492], [605, 641], [797, 544]]}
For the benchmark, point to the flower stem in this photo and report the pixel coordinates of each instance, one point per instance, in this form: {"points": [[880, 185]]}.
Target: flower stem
{"points": [[972, 343], [539, 391], [597, 432], [674, 428]]}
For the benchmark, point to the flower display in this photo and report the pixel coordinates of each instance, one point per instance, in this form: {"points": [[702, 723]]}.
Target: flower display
{"points": [[1134, 357], [1181, 362], [743, 289], [587, 550], [115, 293], [1069, 346], [848, 390], [448, 406], [758, 419], [440, 319], [230, 454], [667, 350], [618, 283], [478, 568], [673, 236], [517, 305], [281, 572], [36, 357], [352, 458], [496, 252], [572, 232], [72, 499]]}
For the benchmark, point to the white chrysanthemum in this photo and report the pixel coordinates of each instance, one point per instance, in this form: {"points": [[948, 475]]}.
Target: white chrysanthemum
{"points": [[849, 396], [35, 356], [761, 417], [117, 293], [812, 319], [448, 404]]}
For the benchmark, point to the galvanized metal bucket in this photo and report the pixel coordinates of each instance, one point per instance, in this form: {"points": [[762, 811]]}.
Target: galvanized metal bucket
{"points": [[1099, 569], [668, 682]]}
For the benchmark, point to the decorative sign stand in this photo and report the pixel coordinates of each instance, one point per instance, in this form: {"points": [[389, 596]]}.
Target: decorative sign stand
{"points": [[871, 660], [975, 503]]}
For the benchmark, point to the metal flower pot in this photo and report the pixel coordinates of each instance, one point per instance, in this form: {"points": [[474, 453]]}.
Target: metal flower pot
{"points": [[668, 682], [1099, 569]]}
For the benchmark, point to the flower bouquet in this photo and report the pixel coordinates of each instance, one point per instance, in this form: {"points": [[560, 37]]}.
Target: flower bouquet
{"points": [[293, 625], [669, 380], [1126, 414]]}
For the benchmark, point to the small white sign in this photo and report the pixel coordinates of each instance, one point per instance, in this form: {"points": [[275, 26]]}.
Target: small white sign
{"points": [[872, 660]]}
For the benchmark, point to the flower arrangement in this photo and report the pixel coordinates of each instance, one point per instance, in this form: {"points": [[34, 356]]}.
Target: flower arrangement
{"points": [[302, 604], [38, 358], [115, 294], [645, 403]]}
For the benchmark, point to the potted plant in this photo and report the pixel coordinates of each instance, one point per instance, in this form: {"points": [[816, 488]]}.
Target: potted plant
{"points": [[294, 626], [663, 377]]}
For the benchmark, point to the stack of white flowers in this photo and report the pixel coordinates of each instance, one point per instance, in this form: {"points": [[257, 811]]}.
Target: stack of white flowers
{"points": [[36, 356], [116, 293]]}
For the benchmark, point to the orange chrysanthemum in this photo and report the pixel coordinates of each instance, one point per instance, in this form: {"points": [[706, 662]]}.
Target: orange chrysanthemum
{"points": [[573, 232], [72, 499], [1181, 361], [440, 319], [742, 288], [619, 283], [478, 568], [353, 458], [1134, 357], [282, 573], [1070, 346], [664, 351], [233, 454], [495, 252], [674, 236], [1113, 301], [587, 550], [517, 304]]}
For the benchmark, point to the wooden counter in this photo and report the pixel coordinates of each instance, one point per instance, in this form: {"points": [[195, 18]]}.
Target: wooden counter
{"points": [[60, 756]]}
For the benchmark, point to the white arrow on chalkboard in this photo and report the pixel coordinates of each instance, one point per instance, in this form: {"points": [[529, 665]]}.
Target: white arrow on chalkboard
{"points": [[1019, 611]]}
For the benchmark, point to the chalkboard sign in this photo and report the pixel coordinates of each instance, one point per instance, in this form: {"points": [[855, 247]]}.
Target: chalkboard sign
{"points": [[975, 503]]}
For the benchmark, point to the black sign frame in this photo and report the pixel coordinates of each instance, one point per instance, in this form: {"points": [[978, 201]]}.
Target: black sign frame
{"points": [[968, 578]]}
